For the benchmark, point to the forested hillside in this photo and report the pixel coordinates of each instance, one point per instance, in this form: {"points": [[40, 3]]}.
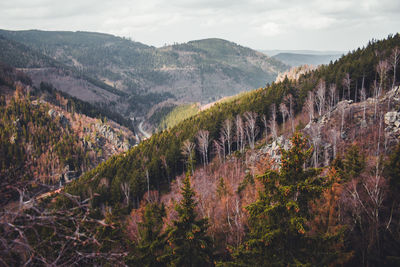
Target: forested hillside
{"points": [[198, 71], [48, 138], [301, 172]]}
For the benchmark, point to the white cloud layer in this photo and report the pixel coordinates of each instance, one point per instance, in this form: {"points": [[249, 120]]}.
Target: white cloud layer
{"points": [[261, 24]]}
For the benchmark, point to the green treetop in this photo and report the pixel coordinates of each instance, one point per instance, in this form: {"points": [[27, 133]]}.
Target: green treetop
{"points": [[188, 239], [278, 229]]}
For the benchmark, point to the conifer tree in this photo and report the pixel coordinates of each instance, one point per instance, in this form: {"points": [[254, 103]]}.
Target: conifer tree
{"points": [[278, 221], [150, 249], [188, 239]]}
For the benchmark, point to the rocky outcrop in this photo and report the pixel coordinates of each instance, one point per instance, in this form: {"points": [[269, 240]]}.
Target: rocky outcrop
{"points": [[392, 120], [55, 114], [113, 137]]}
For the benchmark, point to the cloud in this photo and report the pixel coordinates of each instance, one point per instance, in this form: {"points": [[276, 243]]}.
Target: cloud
{"points": [[343, 24]]}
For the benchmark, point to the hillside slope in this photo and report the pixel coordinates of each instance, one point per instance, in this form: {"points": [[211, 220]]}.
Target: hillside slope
{"points": [[47, 138], [203, 70]]}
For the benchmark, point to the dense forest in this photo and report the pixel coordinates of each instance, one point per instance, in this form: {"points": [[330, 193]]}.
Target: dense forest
{"points": [[301, 172]]}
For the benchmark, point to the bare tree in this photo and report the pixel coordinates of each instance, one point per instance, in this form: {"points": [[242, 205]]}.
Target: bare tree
{"points": [[309, 105], [321, 92], [346, 82], [126, 189], [342, 109], [376, 95], [394, 60], [265, 123], [239, 133], [316, 141], [333, 136], [363, 96], [332, 97], [227, 131], [382, 69], [285, 112], [219, 150], [251, 127], [272, 121], [203, 141], [187, 150], [222, 142], [67, 236], [291, 112]]}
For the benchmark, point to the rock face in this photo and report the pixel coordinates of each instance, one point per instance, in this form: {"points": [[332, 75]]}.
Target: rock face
{"points": [[54, 114], [114, 138], [274, 149], [392, 120]]}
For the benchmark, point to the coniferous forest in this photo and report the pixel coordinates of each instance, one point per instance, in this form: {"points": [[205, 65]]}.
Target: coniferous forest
{"points": [[302, 172]]}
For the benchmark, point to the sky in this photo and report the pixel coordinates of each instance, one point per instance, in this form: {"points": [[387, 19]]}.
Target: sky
{"points": [[260, 24]]}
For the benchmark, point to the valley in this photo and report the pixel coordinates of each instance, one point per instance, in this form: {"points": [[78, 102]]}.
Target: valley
{"points": [[205, 153]]}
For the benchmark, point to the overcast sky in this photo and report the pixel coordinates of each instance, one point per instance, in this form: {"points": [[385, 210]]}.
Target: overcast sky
{"points": [[269, 24]]}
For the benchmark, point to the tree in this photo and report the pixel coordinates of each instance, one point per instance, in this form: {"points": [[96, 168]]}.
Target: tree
{"points": [[272, 121], [239, 133], [278, 229], [332, 97], [291, 111], [187, 150], [151, 246], [382, 69], [251, 127], [363, 96], [188, 239], [394, 61], [285, 112], [321, 97], [227, 129], [346, 82], [202, 141], [309, 105], [265, 123]]}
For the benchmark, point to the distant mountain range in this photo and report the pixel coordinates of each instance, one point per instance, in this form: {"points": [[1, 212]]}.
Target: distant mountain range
{"points": [[296, 60], [132, 76]]}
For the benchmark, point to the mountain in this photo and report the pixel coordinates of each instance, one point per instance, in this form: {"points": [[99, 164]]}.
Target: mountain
{"points": [[295, 60], [197, 71], [272, 53]]}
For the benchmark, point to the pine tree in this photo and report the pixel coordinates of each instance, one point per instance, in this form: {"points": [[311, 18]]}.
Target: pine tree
{"points": [[188, 239], [278, 221], [150, 249]]}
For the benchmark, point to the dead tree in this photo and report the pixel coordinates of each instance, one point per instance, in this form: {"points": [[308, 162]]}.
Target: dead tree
{"points": [[346, 82], [187, 150], [285, 112], [382, 69], [227, 131], [316, 141], [291, 112], [67, 236], [272, 122], [309, 105], [251, 127], [265, 123], [126, 189], [203, 141], [321, 97], [239, 133], [218, 148], [332, 97], [394, 60], [333, 136], [363, 96]]}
